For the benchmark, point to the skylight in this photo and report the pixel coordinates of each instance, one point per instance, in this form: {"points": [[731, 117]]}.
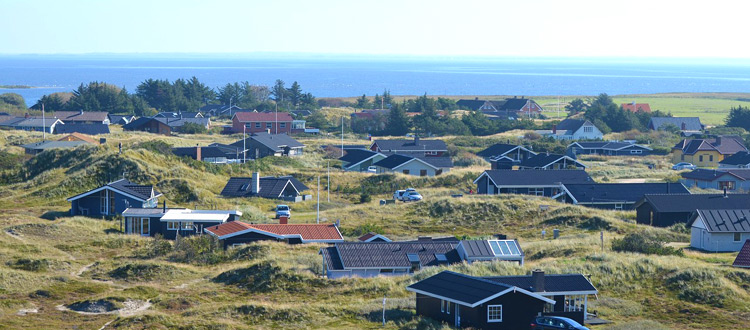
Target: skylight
{"points": [[440, 257], [413, 257], [504, 247]]}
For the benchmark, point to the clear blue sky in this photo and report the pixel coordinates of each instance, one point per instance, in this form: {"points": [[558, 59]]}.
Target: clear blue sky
{"points": [[653, 28]]}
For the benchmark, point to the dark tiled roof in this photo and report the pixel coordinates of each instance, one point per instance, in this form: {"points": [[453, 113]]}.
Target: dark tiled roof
{"points": [[725, 145], [354, 156], [514, 104], [394, 254], [66, 116], [710, 175], [691, 123], [743, 258], [542, 160], [497, 149], [275, 142], [477, 248], [552, 282], [179, 122], [90, 129], [689, 203], [270, 187], [459, 287], [179, 115], [410, 145], [393, 161], [137, 190], [476, 104], [726, 221], [537, 177], [30, 122], [620, 192], [440, 162], [571, 125], [740, 158], [120, 119]]}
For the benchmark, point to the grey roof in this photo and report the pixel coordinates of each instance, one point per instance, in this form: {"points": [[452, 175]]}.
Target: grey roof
{"points": [[44, 145], [691, 123], [29, 122], [537, 177], [270, 187], [388, 254], [740, 158], [570, 125], [476, 104], [396, 160], [212, 151], [725, 145], [90, 129], [606, 145], [552, 283], [179, 122], [275, 142], [68, 116], [514, 104], [354, 156], [178, 115], [477, 248], [410, 145], [499, 149], [461, 288], [143, 192], [120, 119], [586, 193], [726, 221], [702, 174], [542, 160], [690, 202]]}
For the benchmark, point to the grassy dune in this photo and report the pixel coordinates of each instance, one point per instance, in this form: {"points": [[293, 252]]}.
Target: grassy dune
{"points": [[50, 262]]}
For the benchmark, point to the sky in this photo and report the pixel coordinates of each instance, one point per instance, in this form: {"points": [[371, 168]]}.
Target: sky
{"points": [[526, 28]]}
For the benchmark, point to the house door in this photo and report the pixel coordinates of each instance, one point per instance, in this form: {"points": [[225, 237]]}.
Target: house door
{"points": [[145, 226], [458, 315]]}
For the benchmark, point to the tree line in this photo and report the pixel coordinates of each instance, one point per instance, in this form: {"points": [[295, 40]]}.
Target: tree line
{"points": [[181, 95]]}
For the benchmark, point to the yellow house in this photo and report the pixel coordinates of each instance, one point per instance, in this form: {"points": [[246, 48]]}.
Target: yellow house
{"points": [[707, 152]]}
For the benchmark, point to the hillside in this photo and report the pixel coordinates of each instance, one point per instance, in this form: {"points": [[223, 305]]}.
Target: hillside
{"points": [[51, 264]]}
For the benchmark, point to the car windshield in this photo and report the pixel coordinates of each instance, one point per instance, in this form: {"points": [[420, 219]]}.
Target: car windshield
{"points": [[283, 208], [413, 193]]}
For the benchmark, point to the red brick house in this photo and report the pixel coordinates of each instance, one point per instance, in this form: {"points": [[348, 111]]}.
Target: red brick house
{"points": [[256, 122]]}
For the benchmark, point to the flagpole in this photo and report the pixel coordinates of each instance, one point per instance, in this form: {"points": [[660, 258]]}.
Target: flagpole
{"points": [[244, 147], [44, 125]]}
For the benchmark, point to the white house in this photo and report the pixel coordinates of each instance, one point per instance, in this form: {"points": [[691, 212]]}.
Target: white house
{"points": [[720, 230], [574, 129]]}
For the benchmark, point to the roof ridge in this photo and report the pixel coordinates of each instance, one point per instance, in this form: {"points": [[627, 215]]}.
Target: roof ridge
{"points": [[478, 278]]}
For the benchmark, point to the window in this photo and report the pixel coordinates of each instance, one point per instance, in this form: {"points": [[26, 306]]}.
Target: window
{"points": [[386, 271], [588, 129], [249, 125], [257, 125], [636, 151], [282, 125], [441, 258], [269, 125], [103, 202], [618, 206], [112, 203], [495, 313], [700, 158], [172, 225], [536, 191], [422, 172], [406, 171], [448, 307], [442, 306], [710, 158], [737, 237], [187, 225], [728, 185], [682, 157], [430, 153]]}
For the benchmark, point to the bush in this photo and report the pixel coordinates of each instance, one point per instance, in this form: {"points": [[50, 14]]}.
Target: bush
{"points": [[265, 276], [156, 146], [32, 265], [193, 128], [364, 198], [644, 242], [144, 272], [698, 286]]}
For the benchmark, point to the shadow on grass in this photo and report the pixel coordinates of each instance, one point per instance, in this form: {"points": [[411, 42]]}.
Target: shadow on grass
{"points": [[396, 315], [54, 215], [112, 231]]}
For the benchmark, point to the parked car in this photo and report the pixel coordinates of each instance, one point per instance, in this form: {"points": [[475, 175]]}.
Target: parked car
{"points": [[410, 194], [372, 169], [556, 323], [684, 166], [283, 211]]}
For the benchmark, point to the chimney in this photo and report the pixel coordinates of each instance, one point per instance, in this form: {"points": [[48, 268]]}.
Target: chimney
{"points": [[164, 207], [283, 220], [537, 277], [424, 238], [554, 129], [198, 153], [256, 183]]}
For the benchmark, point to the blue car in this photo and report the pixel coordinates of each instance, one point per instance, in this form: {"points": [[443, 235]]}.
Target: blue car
{"points": [[555, 323]]}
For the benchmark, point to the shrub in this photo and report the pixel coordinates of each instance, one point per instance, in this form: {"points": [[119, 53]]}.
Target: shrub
{"points": [[156, 146], [698, 286], [364, 198], [265, 276], [193, 128], [201, 249], [32, 265], [143, 272], [644, 242]]}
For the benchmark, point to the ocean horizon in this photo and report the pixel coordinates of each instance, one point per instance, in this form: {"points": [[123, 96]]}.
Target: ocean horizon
{"points": [[349, 76]]}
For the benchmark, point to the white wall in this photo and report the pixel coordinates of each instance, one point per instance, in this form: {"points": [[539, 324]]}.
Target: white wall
{"points": [[716, 242]]}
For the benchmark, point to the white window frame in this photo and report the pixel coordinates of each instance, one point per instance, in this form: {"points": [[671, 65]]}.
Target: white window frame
{"points": [[636, 151], [491, 320], [588, 129], [442, 306], [282, 125], [257, 125], [103, 200], [536, 191], [187, 225], [447, 307], [618, 206], [269, 125], [173, 225]]}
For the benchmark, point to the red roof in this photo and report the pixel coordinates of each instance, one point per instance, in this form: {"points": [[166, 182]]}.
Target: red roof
{"points": [[307, 232], [743, 258], [638, 106], [366, 236], [262, 116]]}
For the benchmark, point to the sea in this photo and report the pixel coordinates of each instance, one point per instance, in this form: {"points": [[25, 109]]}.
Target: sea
{"points": [[347, 76]]}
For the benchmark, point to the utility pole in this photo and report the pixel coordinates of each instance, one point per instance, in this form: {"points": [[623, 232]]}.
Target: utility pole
{"points": [[317, 217], [328, 182], [44, 125], [383, 310], [276, 130], [244, 147], [342, 136]]}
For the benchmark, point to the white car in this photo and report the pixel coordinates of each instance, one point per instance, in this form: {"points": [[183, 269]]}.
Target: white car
{"points": [[283, 211], [684, 166], [412, 196], [372, 169]]}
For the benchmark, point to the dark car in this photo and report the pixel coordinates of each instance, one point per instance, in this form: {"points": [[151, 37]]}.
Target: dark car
{"points": [[556, 323]]}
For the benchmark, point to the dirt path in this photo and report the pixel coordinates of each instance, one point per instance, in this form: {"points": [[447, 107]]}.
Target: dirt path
{"points": [[130, 307], [83, 269]]}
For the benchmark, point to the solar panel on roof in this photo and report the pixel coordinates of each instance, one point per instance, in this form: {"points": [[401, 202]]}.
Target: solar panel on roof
{"points": [[412, 257], [505, 248]]}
